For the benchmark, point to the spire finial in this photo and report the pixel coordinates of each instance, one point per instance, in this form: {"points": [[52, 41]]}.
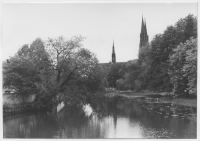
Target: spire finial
{"points": [[113, 47], [142, 26], [113, 53], [142, 18]]}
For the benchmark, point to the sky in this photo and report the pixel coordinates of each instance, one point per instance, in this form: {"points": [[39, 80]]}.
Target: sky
{"points": [[100, 23]]}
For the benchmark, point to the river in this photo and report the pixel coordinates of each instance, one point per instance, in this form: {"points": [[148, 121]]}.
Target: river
{"points": [[116, 118]]}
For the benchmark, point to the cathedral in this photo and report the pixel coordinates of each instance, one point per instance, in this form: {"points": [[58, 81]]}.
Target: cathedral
{"points": [[144, 39]]}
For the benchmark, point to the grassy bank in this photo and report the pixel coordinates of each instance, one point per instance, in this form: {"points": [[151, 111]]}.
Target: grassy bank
{"points": [[129, 94], [170, 99], [182, 101]]}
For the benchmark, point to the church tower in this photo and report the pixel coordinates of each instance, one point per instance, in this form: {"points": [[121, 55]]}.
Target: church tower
{"points": [[144, 39], [113, 54]]}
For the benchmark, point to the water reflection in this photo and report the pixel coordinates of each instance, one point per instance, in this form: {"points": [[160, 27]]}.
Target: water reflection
{"points": [[117, 118]]}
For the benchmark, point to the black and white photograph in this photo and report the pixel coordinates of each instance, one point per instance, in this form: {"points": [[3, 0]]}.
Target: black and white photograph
{"points": [[99, 69]]}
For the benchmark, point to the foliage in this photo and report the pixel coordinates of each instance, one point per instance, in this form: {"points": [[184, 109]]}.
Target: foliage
{"points": [[190, 67], [161, 48], [114, 74], [25, 71], [130, 72], [143, 54], [153, 70], [73, 67], [183, 67], [55, 70]]}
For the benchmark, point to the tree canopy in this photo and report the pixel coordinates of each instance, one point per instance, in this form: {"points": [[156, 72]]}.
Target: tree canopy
{"points": [[55, 70], [168, 63]]}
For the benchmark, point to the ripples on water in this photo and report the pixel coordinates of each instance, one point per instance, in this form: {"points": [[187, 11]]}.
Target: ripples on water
{"points": [[118, 118]]}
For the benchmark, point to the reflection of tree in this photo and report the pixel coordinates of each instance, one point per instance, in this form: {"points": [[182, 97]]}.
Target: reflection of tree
{"points": [[149, 120], [72, 122], [115, 112], [19, 127], [45, 125]]}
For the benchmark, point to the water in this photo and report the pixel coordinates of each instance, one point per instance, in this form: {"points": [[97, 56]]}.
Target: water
{"points": [[117, 118]]}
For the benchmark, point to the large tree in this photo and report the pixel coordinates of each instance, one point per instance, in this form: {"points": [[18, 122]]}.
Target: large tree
{"points": [[161, 49], [25, 72], [70, 63], [183, 68], [55, 70]]}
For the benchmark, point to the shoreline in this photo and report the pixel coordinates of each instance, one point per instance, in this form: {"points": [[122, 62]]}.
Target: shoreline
{"points": [[162, 98]]}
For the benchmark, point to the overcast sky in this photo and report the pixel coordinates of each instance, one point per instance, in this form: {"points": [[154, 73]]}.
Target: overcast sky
{"points": [[99, 23]]}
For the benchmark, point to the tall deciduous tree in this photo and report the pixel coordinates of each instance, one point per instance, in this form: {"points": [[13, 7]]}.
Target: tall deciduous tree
{"points": [[69, 61], [162, 47], [54, 71], [24, 72], [183, 67], [190, 67]]}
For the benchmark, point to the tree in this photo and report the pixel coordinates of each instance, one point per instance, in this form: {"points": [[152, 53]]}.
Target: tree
{"points": [[54, 71], [186, 28], [129, 76], [114, 74], [24, 71], [69, 61], [143, 54], [121, 84], [183, 67], [190, 67], [161, 48]]}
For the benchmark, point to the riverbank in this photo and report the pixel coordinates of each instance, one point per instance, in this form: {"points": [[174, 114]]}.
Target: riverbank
{"points": [[181, 101], [133, 94], [178, 101]]}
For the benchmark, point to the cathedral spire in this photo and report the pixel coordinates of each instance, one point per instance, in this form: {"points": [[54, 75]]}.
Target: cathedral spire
{"points": [[145, 28], [142, 26], [113, 48], [143, 35], [113, 54]]}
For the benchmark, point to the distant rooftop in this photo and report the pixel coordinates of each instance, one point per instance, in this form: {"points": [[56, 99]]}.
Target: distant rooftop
{"points": [[107, 64]]}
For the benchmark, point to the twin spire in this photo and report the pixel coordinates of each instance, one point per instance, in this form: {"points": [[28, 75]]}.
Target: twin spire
{"points": [[143, 27], [144, 38]]}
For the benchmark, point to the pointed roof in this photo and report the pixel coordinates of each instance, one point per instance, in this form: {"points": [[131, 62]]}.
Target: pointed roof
{"points": [[113, 48], [145, 28], [142, 26]]}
